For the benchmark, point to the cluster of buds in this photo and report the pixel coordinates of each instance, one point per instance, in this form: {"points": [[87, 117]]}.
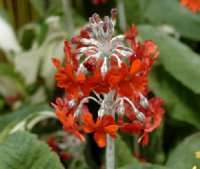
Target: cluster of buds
{"points": [[112, 71]]}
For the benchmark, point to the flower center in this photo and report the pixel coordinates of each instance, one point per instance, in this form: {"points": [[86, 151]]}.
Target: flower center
{"points": [[127, 78]]}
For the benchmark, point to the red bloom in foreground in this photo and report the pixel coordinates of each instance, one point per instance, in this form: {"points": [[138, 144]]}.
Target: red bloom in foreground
{"points": [[67, 119], [193, 5], [67, 79], [127, 81], [103, 126]]}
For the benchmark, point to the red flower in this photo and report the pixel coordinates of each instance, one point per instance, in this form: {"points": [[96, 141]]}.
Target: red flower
{"points": [[100, 128], [134, 127], [67, 118], [193, 5], [153, 118], [98, 83], [70, 57], [147, 53], [128, 81], [67, 79]]}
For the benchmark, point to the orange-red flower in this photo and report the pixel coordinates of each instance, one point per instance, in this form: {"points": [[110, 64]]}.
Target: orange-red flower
{"points": [[153, 118], [67, 79], [193, 5], [70, 57], [134, 127], [67, 119], [146, 53], [128, 81], [131, 34], [98, 83], [104, 125]]}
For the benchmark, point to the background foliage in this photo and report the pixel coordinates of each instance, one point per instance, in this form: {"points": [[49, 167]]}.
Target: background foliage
{"points": [[33, 31]]}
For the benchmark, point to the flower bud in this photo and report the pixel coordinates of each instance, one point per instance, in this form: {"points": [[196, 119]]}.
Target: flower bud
{"points": [[104, 68], [143, 101], [121, 109]]}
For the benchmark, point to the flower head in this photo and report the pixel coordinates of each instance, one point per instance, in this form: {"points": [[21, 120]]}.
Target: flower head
{"points": [[113, 68]]}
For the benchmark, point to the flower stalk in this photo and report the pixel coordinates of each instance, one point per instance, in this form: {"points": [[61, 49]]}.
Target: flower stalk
{"points": [[110, 147], [110, 153]]}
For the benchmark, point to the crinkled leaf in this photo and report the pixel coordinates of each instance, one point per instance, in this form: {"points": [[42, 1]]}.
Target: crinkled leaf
{"points": [[183, 156], [123, 154], [181, 103], [177, 58], [23, 150], [170, 12]]}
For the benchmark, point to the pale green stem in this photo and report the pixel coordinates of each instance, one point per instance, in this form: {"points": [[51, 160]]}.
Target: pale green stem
{"points": [[68, 16], [110, 153], [122, 15], [110, 147]]}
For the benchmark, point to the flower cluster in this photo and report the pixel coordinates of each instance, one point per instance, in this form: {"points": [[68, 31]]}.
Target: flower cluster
{"points": [[193, 5], [112, 71]]}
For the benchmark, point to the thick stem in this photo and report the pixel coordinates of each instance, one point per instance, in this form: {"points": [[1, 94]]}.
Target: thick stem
{"points": [[110, 147], [110, 153]]}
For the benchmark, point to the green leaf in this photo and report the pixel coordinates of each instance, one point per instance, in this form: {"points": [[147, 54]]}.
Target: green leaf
{"points": [[184, 21], [183, 156], [144, 166], [123, 154], [181, 103], [23, 150], [178, 59]]}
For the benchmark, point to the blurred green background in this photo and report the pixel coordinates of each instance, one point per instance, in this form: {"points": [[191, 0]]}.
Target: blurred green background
{"points": [[33, 31]]}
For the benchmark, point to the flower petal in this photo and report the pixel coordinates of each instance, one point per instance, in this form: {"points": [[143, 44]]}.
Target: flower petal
{"points": [[111, 130], [100, 139], [135, 67], [88, 123]]}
